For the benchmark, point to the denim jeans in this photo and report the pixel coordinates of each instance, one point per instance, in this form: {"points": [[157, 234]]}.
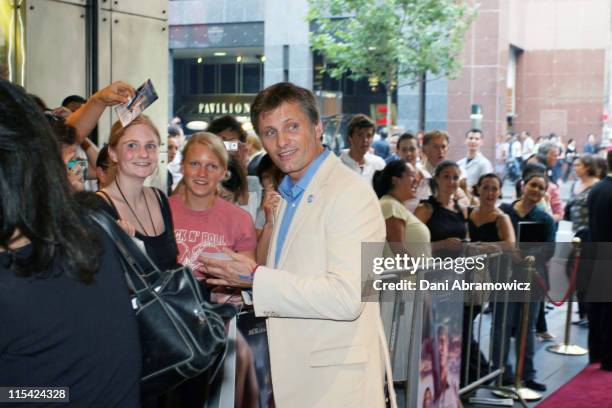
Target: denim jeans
{"points": [[501, 331]]}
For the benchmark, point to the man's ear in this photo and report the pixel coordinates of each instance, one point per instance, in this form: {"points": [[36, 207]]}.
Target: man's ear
{"points": [[318, 132]]}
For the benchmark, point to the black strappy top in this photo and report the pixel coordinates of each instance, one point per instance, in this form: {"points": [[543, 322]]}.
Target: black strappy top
{"points": [[445, 223], [487, 232], [162, 248]]}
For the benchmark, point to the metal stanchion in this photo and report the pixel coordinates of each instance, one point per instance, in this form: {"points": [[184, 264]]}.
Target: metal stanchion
{"points": [[482, 382], [524, 393], [566, 348]]}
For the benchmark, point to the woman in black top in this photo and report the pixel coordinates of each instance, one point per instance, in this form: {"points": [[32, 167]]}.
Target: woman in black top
{"points": [[65, 313], [142, 211], [487, 223], [441, 212], [446, 221]]}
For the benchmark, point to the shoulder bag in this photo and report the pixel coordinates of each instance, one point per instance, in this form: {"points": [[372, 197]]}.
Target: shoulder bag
{"points": [[181, 334]]}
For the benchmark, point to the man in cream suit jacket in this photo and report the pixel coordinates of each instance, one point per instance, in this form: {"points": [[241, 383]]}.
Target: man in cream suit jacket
{"points": [[325, 344]]}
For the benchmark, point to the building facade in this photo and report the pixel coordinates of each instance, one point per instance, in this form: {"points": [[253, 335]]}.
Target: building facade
{"points": [[535, 65], [56, 48], [223, 52]]}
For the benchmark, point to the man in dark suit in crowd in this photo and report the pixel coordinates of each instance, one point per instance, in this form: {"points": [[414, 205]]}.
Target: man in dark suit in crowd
{"points": [[600, 307]]}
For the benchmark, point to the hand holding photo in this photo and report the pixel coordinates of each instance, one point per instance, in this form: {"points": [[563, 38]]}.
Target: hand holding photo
{"points": [[236, 271], [145, 96]]}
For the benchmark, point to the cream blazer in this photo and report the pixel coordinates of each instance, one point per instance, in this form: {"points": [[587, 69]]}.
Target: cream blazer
{"points": [[325, 349]]}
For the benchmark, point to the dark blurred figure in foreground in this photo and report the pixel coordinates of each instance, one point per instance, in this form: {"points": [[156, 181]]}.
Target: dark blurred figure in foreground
{"points": [[65, 312], [600, 226]]}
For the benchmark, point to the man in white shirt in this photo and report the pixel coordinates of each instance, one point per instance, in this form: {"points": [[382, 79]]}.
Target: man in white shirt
{"points": [[515, 147], [358, 157], [527, 144], [474, 164], [435, 149]]}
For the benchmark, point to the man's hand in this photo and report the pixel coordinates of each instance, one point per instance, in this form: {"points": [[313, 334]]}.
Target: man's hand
{"points": [[116, 93], [270, 203], [237, 272]]}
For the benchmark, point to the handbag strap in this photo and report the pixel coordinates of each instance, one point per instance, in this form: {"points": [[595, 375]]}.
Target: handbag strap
{"points": [[141, 272]]}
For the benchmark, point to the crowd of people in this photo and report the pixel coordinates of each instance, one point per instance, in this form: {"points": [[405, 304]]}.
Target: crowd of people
{"points": [[460, 201], [517, 148], [275, 212]]}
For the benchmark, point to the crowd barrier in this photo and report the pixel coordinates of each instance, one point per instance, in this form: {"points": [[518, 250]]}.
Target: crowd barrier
{"points": [[429, 337], [405, 315]]}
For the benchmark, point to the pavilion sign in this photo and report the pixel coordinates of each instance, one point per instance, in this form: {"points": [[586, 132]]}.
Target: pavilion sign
{"points": [[224, 108]]}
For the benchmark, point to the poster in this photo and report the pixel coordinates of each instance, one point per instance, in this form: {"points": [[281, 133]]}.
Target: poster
{"points": [[253, 377], [144, 97], [440, 351]]}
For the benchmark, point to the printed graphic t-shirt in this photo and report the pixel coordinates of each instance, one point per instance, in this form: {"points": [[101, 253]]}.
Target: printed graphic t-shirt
{"points": [[222, 225]]}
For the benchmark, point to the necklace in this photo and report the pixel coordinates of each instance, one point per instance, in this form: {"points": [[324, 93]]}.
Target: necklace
{"points": [[134, 213]]}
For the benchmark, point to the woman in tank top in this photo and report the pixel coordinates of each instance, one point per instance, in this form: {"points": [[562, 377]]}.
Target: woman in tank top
{"points": [[142, 211], [441, 212], [487, 223]]}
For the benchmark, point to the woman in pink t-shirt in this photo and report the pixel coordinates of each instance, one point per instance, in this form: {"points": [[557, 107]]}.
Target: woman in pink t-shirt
{"points": [[204, 222]]}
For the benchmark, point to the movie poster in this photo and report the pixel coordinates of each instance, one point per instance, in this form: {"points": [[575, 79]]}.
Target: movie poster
{"points": [[245, 380], [440, 357], [253, 375]]}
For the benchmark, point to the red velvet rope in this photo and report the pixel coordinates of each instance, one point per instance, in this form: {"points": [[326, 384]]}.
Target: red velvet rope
{"points": [[570, 288]]}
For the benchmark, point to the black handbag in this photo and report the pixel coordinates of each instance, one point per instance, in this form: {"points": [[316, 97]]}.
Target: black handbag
{"points": [[181, 334]]}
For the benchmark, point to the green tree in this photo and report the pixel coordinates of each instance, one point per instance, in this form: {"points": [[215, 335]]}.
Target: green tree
{"points": [[389, 39]]}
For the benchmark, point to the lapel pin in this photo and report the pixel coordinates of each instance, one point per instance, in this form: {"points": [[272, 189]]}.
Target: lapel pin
{"points": [[310, 199]]}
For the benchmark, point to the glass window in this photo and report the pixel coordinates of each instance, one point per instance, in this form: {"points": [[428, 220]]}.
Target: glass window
{"points": [[349, 85], [330, 84], [209, 78], [177, 67], [251, 78], [362, 87], [193, 79], [228, 78]]}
